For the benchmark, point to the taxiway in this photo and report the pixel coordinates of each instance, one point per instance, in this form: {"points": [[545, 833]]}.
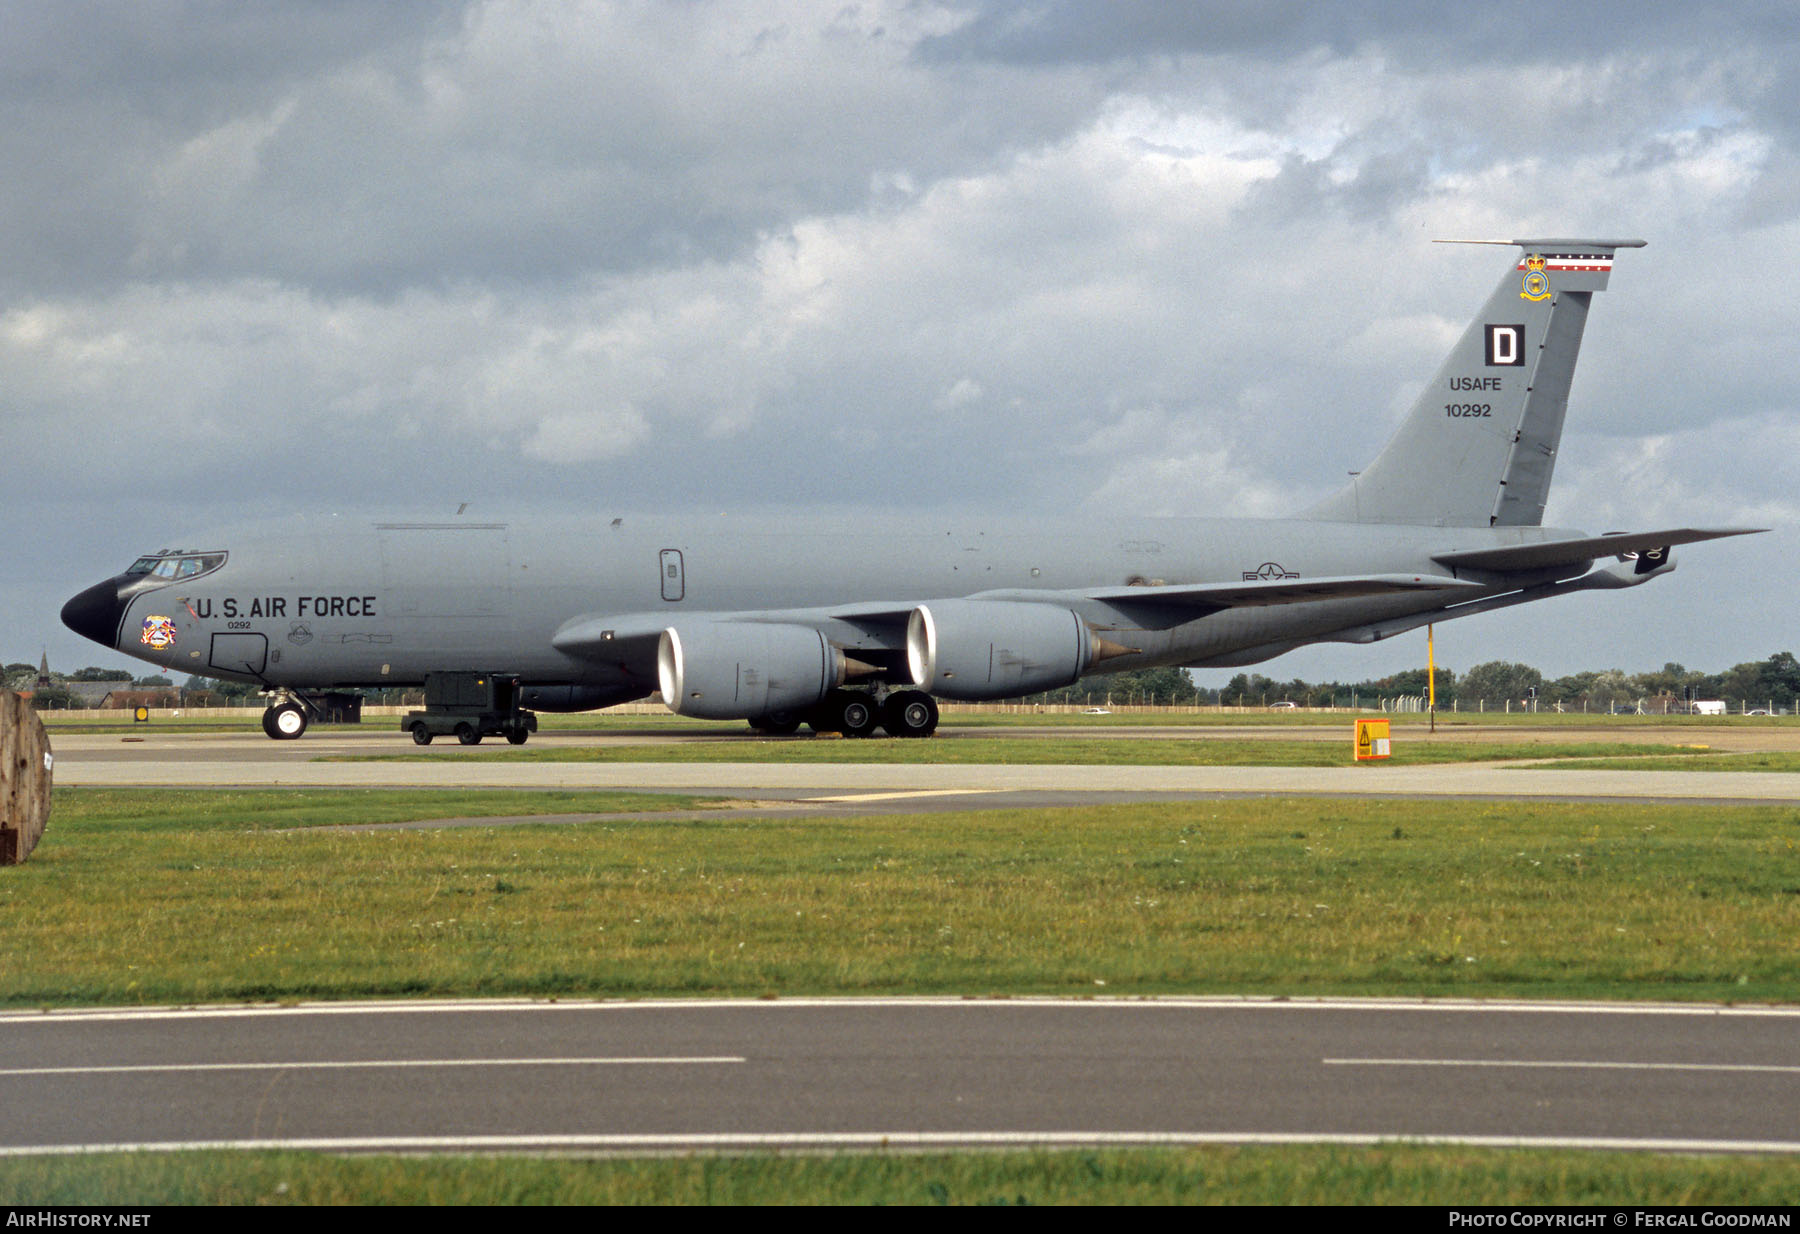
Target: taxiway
{"points": [[899, 1073], [170, 758]]}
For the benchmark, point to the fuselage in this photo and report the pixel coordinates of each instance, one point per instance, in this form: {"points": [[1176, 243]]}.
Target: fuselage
{"points": [[383, 604]]}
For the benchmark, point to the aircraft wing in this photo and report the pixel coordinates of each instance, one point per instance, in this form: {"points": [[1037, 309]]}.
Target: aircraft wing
{"points": [[631, 638], [612, 638], [1259, 593], [1551, 553]]}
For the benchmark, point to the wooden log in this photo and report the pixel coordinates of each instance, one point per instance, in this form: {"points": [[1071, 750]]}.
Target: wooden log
{"points": [[25, 765]]}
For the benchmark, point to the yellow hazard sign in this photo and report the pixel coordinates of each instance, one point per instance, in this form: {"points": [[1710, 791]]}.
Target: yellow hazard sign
{"points": [[1372, 740]]}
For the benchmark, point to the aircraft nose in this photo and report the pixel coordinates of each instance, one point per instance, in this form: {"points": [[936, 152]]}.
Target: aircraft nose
{"points": [[95, 613]]}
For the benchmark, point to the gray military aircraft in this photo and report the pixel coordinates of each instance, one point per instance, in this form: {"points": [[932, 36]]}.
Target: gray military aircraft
{"points": [[849, 626]]}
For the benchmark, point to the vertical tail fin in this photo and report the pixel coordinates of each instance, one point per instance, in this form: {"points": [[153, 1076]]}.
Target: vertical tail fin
{"points": [[1479, 446]]}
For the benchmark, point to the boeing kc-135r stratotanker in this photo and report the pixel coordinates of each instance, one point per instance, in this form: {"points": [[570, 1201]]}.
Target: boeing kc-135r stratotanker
{"points": [[848, 624]]}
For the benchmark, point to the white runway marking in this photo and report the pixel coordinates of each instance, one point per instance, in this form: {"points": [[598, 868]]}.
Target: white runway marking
{"points": [[372, 1064], [1237, 1002], [1550, 1063], [901, 1140], [923, 792]]}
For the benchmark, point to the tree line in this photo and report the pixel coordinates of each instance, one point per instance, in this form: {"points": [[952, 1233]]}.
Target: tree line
{"points": [[1773, 683]]}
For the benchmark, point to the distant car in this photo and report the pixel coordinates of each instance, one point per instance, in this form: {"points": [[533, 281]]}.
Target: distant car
{"points": [[1758, 712], [1284, 706], [1096, 711]]}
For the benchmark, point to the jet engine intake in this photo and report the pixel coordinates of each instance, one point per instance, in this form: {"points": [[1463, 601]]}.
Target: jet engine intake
{"points": [[975, 650], [733, 670]]}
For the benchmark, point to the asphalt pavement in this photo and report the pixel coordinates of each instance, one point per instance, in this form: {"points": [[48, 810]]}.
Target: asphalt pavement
{"points": [[900, 1073]]}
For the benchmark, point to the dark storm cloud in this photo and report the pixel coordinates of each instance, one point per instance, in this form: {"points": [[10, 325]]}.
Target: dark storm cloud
{"points": [[1071, 32], [1374, 186], [369, 148], [1538, 76], [187, 62], [94, 96], [1422, 32]]}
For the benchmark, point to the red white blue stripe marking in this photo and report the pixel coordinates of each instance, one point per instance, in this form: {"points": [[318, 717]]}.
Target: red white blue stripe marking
{"points": [[1600, 262]]}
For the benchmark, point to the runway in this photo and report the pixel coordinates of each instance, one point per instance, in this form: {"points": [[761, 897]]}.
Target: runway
{"points": [[175, 759], [900, 1073]]}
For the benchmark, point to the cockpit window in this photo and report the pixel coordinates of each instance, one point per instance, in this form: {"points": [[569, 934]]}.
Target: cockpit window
{"points": [[177, 563]]}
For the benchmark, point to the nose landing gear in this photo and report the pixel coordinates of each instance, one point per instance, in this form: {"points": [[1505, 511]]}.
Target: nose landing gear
{"points": [[285, 721]]}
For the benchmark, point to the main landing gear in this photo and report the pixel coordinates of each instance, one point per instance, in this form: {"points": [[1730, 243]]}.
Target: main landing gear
{"points": [[910, 713], [857, 713]]}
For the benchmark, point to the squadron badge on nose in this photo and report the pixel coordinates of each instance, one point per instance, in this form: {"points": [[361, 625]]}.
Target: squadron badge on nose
{"points": [[159, 632]]}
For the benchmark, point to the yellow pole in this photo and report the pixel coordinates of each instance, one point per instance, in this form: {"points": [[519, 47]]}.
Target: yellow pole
{"points": [[1431, 670]]}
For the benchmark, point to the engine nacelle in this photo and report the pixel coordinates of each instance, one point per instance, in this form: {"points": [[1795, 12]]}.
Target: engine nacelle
{"points": [[734, 670], [984, 649]]}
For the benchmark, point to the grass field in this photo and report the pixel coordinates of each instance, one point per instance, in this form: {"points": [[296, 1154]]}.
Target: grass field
{"points": [[209, 896], [203, 896], [1388, 1175]]}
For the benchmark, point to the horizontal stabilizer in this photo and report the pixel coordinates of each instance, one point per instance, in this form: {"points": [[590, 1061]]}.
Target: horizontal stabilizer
{"points": [[1262, 592], [1548, 554]]}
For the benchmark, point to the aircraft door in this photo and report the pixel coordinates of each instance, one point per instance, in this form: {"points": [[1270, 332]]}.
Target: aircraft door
{"points": [[240, 653], [674, 586]]}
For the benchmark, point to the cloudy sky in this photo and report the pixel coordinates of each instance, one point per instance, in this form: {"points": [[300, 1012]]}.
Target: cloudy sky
{"points": [[925, 258]]}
